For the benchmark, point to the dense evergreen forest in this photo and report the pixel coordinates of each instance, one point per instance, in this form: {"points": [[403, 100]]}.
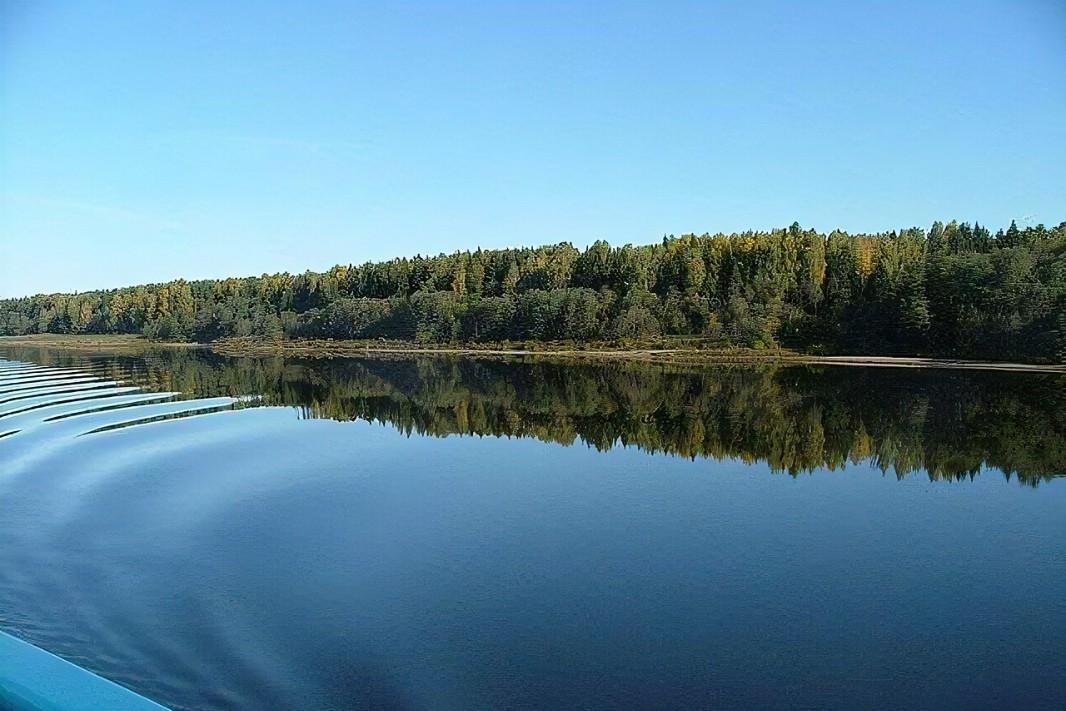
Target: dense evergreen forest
{"points": [[798, 419], [955, 289]]}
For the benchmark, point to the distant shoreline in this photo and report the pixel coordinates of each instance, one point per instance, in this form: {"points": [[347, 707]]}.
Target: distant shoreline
{"points": [[238, 347]]}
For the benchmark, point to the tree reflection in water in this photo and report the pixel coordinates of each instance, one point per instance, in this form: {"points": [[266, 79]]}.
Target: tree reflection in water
{"points": [[947, 423]]}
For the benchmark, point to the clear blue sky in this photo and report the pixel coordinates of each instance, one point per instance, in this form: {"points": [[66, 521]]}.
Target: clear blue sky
{"points": [[142, 141]]}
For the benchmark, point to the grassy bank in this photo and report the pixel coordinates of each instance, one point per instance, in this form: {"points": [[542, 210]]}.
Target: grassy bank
{"points": [[666, 350], [92, 342], [661, 350]]}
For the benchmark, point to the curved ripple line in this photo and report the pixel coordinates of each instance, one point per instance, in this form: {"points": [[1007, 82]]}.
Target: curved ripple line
{"points": [[132, 410], [52, 383], [61, 391], [53, 403], [133, 414], [191, 412], [151, 399], [49, 373]]}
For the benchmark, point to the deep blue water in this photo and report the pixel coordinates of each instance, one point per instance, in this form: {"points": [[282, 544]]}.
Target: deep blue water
{"points": [[411, 535]]}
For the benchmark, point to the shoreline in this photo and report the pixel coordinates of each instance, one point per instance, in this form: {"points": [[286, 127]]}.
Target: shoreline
{"points": [[240, 347]]}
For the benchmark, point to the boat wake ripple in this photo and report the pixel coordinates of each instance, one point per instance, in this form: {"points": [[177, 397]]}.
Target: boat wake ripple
{"points": [[35, 397]]}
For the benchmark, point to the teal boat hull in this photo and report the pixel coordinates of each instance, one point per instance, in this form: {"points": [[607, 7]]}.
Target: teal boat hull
{"points": [[32, 679]]}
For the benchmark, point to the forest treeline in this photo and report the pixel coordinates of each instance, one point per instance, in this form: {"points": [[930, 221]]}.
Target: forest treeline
{"points": [[954, 289], [947, 424]]}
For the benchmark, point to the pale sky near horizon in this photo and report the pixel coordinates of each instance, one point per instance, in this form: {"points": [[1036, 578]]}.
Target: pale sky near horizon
{"points": [[142, 141]]}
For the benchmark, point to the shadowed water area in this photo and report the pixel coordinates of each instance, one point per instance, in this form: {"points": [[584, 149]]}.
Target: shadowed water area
{"points": [[435, 533]]}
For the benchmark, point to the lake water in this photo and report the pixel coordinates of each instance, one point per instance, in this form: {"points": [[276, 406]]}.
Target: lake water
{"points": [[458, 534]]}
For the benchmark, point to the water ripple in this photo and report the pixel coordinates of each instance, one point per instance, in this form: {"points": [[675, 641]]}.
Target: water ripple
{"points": [[40, 392], [41, 383], [50, 407], [112, 392]]}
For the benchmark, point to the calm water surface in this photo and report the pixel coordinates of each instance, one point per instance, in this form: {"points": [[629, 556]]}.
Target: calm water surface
{"points": [[457, 534]]}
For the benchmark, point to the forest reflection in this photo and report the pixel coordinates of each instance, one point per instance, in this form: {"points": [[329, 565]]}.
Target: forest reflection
{"points": [[949, 424]]}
